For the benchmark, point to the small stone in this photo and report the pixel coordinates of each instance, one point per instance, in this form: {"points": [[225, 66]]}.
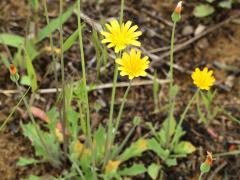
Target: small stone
{"points": [[187, 30], [200, 28]]}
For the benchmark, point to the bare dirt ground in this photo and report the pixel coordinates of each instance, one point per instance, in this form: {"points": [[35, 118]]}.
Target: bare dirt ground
{"points": [[219, 50]]}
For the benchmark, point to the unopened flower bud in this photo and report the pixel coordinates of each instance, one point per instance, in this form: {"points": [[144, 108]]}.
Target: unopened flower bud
{"points": [[176, 16], [206, 165], [209, 159], [13, 73], [12, 69], [178, 9]]}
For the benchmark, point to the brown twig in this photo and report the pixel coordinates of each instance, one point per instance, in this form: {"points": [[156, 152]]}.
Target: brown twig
{"points": [[102, 86]]}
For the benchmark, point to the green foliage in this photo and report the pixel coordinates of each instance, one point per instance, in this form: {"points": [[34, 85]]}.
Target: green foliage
{"points": [[134, 170], [203, 10], [153, 170], [29, 130], [55, 24], [26, 161]]}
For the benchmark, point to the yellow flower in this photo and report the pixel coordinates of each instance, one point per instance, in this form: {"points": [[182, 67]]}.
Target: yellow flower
{"points": [[112, 166], [120, 36], [132, 64], [203, 79]]}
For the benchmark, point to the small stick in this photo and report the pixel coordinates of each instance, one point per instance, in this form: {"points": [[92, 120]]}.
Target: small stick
{"points": [[102, 86]]}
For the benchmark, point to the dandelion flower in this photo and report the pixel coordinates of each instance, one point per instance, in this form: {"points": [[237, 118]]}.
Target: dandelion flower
{"points": [[203, 79], [121, 36], [132, 64]]}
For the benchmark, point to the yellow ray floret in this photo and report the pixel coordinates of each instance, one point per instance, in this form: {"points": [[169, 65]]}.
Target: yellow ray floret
{"points": [[132, 64], [121, 36], [203, 79]]}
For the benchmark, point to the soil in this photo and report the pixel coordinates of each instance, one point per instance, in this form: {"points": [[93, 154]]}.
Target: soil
{"points": [[218, 50]]}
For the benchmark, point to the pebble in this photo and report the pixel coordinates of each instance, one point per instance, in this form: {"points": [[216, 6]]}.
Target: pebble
{"points": [[200, 28], [187, 30]]}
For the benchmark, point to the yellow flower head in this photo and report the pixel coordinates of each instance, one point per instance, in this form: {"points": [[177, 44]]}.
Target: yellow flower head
{"points": [[203, 79], [112, 166], [132, 64], [120, 36]]}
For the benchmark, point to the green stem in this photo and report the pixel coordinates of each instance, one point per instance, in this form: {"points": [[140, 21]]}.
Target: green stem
{"points": [[51, 44], [171, 103], [120, 112], [89, 132], [121, 11], [114, 131], [183, 117], [110, 119], [119, 149], [13, 110], [64, 115], [200, 176]]}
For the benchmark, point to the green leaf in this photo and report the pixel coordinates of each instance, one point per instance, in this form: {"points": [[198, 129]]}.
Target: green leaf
{"points": [[226, 4], [156, 147], [171, 162], [163, 131], [11, 40], [31, 73], [5, 59], [134, 170], [184, 147], [100, 138], [26, 161], [136, 149], [70, 41], [55, 24], [29, 130], [35, 4], [174, 91], [153, 170], [210, 1], [32, 177], [203, 10], [25, 80]]}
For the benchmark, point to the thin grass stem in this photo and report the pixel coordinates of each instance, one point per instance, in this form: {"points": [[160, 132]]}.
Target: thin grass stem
{"points": [[52, 47], [63, 114], [13, 110]]}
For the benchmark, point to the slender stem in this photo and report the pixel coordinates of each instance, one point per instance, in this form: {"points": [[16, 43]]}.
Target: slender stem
{"points": [[89, 132], [121, 11], [110, 119], [231, 153], [64, 115], [115, 153], [171, 55], [200, 176], [120, 111], [51, 44], [86, 103], [183, 116], [171, 110], [13, 110], [112, 137]]}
